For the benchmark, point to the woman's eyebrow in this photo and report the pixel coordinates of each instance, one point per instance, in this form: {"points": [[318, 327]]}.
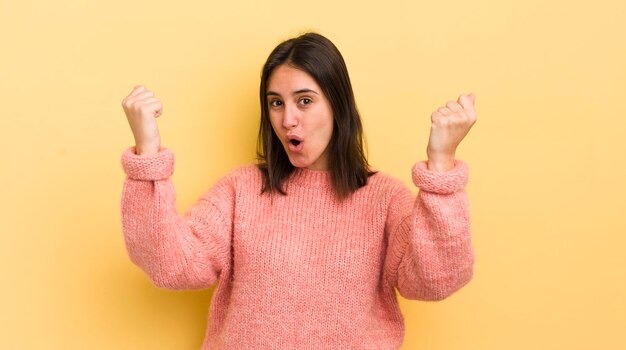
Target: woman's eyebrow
{"points": [[301, 91], [304, 90]]}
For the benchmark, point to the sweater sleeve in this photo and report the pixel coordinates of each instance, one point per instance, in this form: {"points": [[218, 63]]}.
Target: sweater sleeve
{"points": [[429, 252], [180, 252]]}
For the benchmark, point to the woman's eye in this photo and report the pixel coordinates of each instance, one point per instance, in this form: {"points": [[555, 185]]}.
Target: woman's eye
{"points": [[305, 101], [276, 103]]}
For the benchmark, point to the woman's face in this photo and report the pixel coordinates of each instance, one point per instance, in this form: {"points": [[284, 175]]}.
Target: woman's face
{"points": [[301, 116]]}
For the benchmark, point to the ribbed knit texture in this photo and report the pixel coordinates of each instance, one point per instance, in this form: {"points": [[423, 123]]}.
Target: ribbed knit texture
{"points": [[305, 270]]}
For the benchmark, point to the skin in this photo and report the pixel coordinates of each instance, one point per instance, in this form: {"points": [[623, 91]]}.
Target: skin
{"points": [[142, 108], [449, 125], [307, 114], [297, 106]]}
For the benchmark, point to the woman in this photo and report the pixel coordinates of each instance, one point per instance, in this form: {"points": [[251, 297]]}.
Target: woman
{"points": [[309, 245]]}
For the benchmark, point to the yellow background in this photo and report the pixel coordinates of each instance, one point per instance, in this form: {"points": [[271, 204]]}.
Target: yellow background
{"points": [[547, 165]]}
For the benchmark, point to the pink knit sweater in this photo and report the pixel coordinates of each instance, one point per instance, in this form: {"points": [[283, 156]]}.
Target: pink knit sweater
{"points": [[301, 271]]}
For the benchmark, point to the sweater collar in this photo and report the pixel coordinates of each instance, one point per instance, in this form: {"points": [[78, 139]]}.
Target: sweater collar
{"points": [[311, 178]]}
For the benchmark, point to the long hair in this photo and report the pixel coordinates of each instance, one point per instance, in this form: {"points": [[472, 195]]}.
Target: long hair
{"points": [[317, 56]]}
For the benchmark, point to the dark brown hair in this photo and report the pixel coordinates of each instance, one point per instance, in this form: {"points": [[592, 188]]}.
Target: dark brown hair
{"points": [[317, 56]]}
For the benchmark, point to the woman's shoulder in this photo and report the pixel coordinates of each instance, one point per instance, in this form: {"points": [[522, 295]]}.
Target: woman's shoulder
{"points": [[387, 189], [237, 179], [385, 179], [386, 183]]}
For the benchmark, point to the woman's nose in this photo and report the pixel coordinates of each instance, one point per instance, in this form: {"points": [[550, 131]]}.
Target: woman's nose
{"points": [[291, 117]]}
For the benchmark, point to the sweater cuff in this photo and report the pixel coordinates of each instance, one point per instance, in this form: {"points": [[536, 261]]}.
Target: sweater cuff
{"points": [[447, 182], [152, 167]]}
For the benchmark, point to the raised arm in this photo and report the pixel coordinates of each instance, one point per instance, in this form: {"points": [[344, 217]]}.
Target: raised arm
{"points": [[177, 252], [429, 253]]}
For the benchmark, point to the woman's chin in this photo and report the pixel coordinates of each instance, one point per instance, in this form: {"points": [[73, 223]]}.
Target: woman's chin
{"points": [[299, 164], [302, 161]]}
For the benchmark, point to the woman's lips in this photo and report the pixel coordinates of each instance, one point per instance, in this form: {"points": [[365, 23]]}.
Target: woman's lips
{"points": [[294, 143], [295, 148]]}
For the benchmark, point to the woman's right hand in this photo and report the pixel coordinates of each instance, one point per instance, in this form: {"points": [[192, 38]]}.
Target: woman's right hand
{"points": [[142, 108]]}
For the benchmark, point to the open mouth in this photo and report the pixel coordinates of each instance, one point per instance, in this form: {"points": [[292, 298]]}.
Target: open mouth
{"points": [[295, 143]]}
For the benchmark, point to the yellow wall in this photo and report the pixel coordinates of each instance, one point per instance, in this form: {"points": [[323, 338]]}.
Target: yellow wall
{"points": [[548, 171]]}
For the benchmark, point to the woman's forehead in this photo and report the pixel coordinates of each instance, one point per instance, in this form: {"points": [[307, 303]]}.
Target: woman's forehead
{"points": [[286, 79]]}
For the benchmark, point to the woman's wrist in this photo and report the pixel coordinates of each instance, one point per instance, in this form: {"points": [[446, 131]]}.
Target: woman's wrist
{"points": [[143, 150], [440, 162]]}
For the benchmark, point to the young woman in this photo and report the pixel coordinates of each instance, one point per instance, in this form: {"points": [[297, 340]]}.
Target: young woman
{"points": [[309, 245]]}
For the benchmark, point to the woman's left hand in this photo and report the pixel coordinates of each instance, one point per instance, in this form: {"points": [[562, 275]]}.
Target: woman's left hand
{"points": [[449, 126]]}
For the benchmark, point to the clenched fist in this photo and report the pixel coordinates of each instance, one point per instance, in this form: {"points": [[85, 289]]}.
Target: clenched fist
{"points": [[142, 108], [449, 126]]}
